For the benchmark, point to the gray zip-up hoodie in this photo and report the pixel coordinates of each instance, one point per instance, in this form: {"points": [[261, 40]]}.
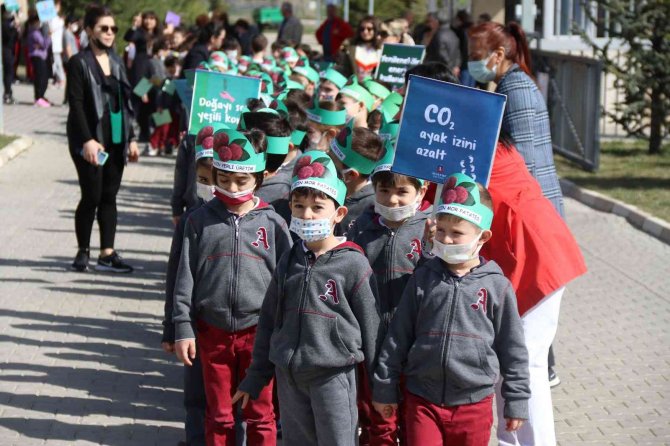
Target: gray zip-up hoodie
{"points": [[184, 194], [319, 317], [226, 266], [171, 273], [356, 204], [452, 336], [393, 255], [276, 190]]}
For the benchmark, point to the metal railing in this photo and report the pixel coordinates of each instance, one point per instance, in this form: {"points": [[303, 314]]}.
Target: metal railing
{"points": [[571, 87]]}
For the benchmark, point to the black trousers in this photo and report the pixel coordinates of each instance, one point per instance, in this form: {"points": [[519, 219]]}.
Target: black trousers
{"points": [[99, 186], [143, 113], [41, 76], [7, 71]]}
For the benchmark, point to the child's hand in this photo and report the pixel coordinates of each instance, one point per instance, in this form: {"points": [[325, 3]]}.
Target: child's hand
{"points": [[513, 424], [168, 347], [243, 395], [429, 233], [185, 350], [133, 152], [385, 410], [145, 98]]}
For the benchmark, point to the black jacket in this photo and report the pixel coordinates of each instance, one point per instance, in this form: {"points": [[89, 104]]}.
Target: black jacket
{"points": [[88, 100], [199, 53]]}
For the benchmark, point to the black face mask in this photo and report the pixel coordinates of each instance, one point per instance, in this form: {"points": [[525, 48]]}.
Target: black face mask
{"points": [[101, 45]]}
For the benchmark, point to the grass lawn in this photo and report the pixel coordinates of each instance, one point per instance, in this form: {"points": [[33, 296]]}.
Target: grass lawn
{"points": [[629, 174], [4, 140]]}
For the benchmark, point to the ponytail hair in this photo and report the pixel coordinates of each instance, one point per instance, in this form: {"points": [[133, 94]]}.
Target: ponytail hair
{"points": [[511, 37], [516, 32]]}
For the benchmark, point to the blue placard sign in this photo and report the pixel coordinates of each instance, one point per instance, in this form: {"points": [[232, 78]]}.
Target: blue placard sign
{"points": [[447, 128], [46, 10]]}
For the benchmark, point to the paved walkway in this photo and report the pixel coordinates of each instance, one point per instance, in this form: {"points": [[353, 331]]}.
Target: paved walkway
{"points": [[81, 362]]}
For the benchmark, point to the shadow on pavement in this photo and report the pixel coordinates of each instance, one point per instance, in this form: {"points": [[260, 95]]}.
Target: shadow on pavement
{"points": [[115, 435], [95, 376]]}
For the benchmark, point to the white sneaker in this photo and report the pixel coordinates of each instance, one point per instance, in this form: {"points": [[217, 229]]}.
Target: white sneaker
{"points": [[150, 151]]}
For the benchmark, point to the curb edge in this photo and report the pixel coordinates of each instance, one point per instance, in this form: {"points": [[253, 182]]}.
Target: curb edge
{"points": [[638, 218], [13, 149]]}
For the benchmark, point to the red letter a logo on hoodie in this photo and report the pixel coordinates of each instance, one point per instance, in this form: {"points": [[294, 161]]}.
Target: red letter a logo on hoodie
{"points": [[262, 238], [331, 291]]}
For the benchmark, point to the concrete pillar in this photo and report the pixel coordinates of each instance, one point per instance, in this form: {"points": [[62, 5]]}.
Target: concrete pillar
{"points": [[496, 8]]}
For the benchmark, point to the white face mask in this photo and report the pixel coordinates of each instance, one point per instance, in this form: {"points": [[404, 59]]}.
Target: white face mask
{"points": [[399, 213], [233, 198], [232, 54], [312, 230], [238, 194], [480, 72], [455, 254], [204, 191]]}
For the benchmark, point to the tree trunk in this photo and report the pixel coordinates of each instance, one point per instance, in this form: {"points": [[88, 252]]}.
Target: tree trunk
{"points": [[657, 117]]}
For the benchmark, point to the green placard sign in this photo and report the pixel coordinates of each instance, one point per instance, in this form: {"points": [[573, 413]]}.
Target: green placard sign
{"points": [[220, 98], [396, 60]]}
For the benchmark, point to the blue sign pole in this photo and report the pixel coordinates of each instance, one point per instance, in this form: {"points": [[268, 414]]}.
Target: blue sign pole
{"points": [[447, 128]]}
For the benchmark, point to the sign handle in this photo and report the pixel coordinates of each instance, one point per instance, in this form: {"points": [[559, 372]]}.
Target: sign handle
{"points": [[433, 215]]}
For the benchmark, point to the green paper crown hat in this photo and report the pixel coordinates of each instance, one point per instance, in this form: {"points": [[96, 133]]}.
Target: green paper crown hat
{"points": [[315, 169], [219, 60], [204, 147], [389, 133], [341, 148], [327, 117], [460, 197], [376, 89], [309, 72], [289, 54], [277, 145], [359, 94], [233, 152], [391, 106], [385, 164], [293, 85], [334, 76]]}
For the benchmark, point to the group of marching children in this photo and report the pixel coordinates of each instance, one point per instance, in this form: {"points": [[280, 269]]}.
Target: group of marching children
{"points": [[309, 288]]}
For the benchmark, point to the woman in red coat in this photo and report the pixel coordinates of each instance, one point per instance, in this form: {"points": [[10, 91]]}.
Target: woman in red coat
{"points": [[538, 254]]}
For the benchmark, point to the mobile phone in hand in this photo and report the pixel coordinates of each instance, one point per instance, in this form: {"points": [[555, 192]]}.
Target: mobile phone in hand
{"points": [[102, 157]]}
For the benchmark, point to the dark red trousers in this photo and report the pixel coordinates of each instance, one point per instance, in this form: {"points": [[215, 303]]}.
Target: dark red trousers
{"points": [[166, 134], [225, 358], [431, 424], [375, 429]]}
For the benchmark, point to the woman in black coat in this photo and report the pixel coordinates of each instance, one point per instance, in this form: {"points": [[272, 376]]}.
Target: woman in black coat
{"points": [[99, 124]]}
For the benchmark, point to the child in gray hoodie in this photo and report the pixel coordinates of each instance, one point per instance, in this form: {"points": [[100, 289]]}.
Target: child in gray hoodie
{"points": [[392, 241], [319, 318], [194, 389], [456, 329], [231, 247], [356, 152]]}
